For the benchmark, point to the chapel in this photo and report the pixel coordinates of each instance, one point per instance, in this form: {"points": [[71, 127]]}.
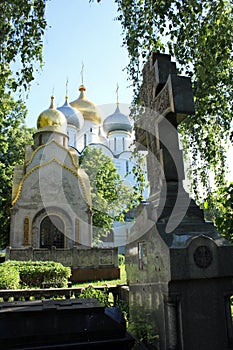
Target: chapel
{"points": [[51, 193]]}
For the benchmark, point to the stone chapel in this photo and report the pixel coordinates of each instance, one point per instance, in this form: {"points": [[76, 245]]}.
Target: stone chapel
{"points": [[51, 193]]}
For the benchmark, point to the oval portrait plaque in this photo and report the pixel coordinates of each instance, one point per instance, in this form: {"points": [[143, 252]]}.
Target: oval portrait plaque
{"points": [[203, 256]]}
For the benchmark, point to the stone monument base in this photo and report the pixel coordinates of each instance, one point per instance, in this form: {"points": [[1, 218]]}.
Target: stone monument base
{"points": [[96, 274], [87, 264]]}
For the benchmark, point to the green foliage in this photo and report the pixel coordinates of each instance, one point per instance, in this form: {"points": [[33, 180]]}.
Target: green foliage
{"points": [[22, 26], [14, 135], [111, 198], [220, 207], [138, 172], [121, 259], [34, 273], [91, 292], [198, 34], [142, 325], [9, 277]]}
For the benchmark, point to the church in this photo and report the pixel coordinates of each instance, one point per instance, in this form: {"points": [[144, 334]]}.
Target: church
{"points": [[51, 193]]}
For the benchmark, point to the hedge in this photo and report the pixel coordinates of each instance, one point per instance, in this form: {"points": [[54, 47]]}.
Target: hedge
{"points": [[9, 277], [34, 273]]}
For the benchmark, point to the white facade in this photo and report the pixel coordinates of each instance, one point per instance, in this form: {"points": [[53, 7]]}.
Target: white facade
{"points": [[113, 134]]}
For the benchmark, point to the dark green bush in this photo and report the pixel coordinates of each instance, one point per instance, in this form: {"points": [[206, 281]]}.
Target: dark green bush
{"points": [[34, 273], [121, 259], [9, 277], [91, 292]]}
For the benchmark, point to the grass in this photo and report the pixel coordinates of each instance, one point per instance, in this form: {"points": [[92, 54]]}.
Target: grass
{"points": [[121, 280]]}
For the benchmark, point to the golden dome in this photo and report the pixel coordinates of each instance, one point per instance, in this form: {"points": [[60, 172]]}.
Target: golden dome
{"points": [[51, 119], [86, 107]]}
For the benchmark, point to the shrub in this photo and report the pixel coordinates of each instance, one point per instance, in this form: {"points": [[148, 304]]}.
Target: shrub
{"points": [[121, 259], [91, 292], [34, 273], [9, 277]]}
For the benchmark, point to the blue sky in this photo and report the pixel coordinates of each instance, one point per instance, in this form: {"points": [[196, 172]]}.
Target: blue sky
{"points": [[79, 31]]}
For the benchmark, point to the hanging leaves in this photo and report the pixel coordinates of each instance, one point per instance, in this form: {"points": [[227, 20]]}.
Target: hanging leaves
{"points": [[111, 197], [14, 135], [198, 34], [22, 25]]}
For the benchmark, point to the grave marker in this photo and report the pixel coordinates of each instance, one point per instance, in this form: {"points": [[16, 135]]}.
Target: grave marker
{"points": [[179, 268]]}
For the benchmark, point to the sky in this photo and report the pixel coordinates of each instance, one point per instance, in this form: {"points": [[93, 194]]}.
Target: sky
{"points": [[80, 32]]}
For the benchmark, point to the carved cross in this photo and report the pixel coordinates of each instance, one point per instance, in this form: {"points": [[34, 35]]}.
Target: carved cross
{"points": [[168, 99]]}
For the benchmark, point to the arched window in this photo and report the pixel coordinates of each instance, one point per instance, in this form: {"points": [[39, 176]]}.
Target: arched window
{"points": [[40, 140], [123, 143], [52, 232], [85, 140], [26, 231]]}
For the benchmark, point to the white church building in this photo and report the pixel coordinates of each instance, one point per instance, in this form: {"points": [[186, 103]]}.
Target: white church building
{"points": [[113, 133]]}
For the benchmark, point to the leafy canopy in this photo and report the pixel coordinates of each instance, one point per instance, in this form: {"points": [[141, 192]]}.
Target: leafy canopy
{"points": [[14, 135], [198, 34], [111, 198], [222, 210], [22, 25]]}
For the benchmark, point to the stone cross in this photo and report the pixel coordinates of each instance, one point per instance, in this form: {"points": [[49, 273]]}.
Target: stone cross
{"points": [[168, 99], [178, 266]]}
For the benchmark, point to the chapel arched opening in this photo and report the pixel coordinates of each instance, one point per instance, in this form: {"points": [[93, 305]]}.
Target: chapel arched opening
{"points": [[52, 230]]}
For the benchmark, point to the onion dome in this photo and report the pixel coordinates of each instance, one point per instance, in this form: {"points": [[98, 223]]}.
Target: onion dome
{"points": [[52, 119], [117, 122], [73, 116], [86, 107]]}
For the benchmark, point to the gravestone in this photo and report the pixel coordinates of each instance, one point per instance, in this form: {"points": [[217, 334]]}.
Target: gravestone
{"points": [[178, 266], [62, 324]]}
